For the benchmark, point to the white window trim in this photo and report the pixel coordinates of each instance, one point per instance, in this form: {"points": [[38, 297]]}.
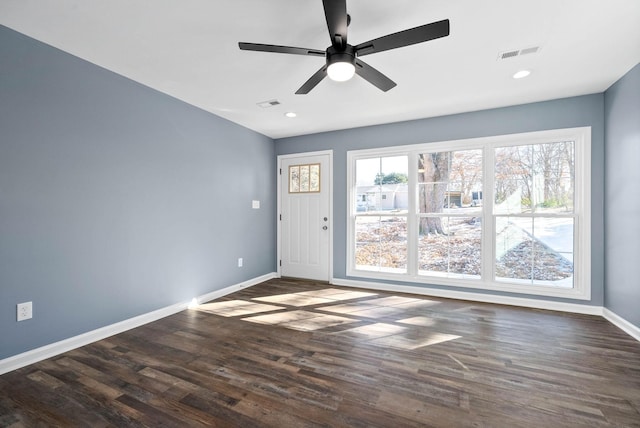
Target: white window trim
{"points": [[582, 211]]}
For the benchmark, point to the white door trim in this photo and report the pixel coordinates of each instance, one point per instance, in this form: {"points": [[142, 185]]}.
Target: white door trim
{"points": [[279, 205]]}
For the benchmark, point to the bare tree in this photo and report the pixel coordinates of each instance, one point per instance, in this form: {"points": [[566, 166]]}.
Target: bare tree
{"points": [[513, 173], [544, 173], [569, 160], [466, 171], [433, 174]]}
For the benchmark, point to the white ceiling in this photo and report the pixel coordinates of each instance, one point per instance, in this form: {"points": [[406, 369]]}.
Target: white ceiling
{"points": [[189, 50]]}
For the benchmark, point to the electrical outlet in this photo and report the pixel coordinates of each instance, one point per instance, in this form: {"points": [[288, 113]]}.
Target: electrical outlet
{"points": [[25, 311], [240, 262]]}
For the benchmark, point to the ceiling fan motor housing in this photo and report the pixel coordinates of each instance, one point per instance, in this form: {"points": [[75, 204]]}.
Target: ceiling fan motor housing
{"points": [[348, 54]]}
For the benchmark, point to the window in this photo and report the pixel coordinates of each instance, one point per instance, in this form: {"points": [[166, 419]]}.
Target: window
{"points": [[304, 178], [506, 213], [449, 226], [381, 214], [533, 213]]}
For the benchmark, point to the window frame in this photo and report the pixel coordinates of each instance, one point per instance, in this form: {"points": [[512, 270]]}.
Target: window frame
{"points": [[582, 213]]}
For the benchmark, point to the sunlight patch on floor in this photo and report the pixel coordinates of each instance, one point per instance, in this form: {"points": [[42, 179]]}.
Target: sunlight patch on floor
{"points": [[346, 295], [346, 308], [317, 323], [403, 342], [322, 292], [294, 299], [385, 306], [419, 303], [300, 320], [401, 331], [373, 330], [421, 321], [337, 294], [394, 300], [233, 308], [281, 317], [313, 297], [377, 312]]}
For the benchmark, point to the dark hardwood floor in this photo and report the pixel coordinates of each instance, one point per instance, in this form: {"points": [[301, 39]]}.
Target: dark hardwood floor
{"points": [[293, 353]]}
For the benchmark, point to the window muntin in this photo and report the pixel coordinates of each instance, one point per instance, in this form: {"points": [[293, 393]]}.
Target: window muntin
{"points": [[515, 214]]}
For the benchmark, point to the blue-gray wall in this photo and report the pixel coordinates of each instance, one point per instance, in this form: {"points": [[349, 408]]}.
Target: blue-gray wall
{"points": [[622, 197], [563, 113], [115, 199]]}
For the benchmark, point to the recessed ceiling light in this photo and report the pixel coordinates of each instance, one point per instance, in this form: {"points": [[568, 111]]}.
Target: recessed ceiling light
{"points": [[522, 73], [290, 114]]}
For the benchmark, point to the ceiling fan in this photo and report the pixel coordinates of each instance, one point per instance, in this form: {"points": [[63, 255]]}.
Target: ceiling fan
{"points": [[342, 59]]}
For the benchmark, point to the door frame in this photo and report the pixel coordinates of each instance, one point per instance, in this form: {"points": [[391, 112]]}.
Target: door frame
{"points": [[279, 176]]}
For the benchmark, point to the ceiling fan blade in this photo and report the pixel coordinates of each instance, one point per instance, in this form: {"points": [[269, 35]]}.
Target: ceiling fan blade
{"points": [[335, 12], [420, 34], [279, 49], [313, 81], [373, 76]]}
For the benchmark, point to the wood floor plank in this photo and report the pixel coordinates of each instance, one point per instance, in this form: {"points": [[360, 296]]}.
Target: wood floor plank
{"points": [[296, 353]]}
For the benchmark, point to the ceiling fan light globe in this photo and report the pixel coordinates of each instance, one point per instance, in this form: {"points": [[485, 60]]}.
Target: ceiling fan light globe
{"points": [[341, 71]]}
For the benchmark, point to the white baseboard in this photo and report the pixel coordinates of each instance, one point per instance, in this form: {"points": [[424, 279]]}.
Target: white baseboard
{"points": [[476, 297], [53, 349], [622, 324], [228, 290]]}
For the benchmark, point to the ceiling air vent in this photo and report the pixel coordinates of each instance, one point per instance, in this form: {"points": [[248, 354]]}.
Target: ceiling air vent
{"points": [[529, 50], [267, 104], [518, 52], [505, 55]]}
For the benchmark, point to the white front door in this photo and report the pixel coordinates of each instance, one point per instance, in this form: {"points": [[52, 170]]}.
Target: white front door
{"points": [[305, 223]]}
